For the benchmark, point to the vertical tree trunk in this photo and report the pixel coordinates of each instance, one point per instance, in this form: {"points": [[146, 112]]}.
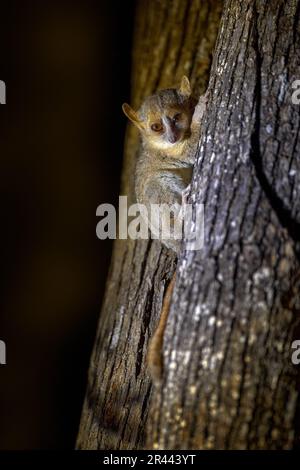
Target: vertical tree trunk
{"points": [[172, 38], [229, 381]]}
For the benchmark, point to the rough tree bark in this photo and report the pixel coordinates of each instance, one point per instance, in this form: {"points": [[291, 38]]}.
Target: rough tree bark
{"points": [[229, 381]]}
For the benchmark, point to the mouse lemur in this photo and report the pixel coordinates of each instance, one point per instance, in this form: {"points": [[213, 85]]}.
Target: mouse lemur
{"points": [[169, 124]]}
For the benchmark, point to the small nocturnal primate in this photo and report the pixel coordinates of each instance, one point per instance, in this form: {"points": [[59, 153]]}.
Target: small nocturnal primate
{"points": [[169, 124]]}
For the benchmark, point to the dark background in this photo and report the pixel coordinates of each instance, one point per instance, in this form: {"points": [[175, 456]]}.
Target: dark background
{"points": [[66, 66]]}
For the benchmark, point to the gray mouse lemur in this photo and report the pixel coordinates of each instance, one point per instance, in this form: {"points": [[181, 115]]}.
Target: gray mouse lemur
{"points": [[169, 124]]}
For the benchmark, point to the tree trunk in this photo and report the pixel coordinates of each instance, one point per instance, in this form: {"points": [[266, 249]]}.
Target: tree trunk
{"points": [[228, 377]]}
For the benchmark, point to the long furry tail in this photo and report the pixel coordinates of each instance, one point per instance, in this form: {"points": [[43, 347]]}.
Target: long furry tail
{"points": [[154, 355]]}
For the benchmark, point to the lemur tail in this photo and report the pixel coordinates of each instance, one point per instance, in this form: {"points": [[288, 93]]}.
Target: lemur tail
{"points": [[154, 355]]}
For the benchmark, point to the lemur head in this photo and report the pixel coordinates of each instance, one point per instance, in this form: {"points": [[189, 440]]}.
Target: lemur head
{"points": [[164, 119]]}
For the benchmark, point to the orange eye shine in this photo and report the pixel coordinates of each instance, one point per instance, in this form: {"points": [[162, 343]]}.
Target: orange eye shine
{"points": [[157, 127]]}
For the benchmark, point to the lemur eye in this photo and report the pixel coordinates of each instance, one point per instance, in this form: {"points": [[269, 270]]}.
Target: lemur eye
{"points": [[157, 127], [177, 117]]}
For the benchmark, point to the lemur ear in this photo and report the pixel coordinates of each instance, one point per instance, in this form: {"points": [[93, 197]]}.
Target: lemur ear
{"points": [[132, 115], [185, 87]]}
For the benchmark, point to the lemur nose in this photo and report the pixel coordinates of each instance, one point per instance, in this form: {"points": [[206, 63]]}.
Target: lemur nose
{"points": [[172, 138], [171, 130]]}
